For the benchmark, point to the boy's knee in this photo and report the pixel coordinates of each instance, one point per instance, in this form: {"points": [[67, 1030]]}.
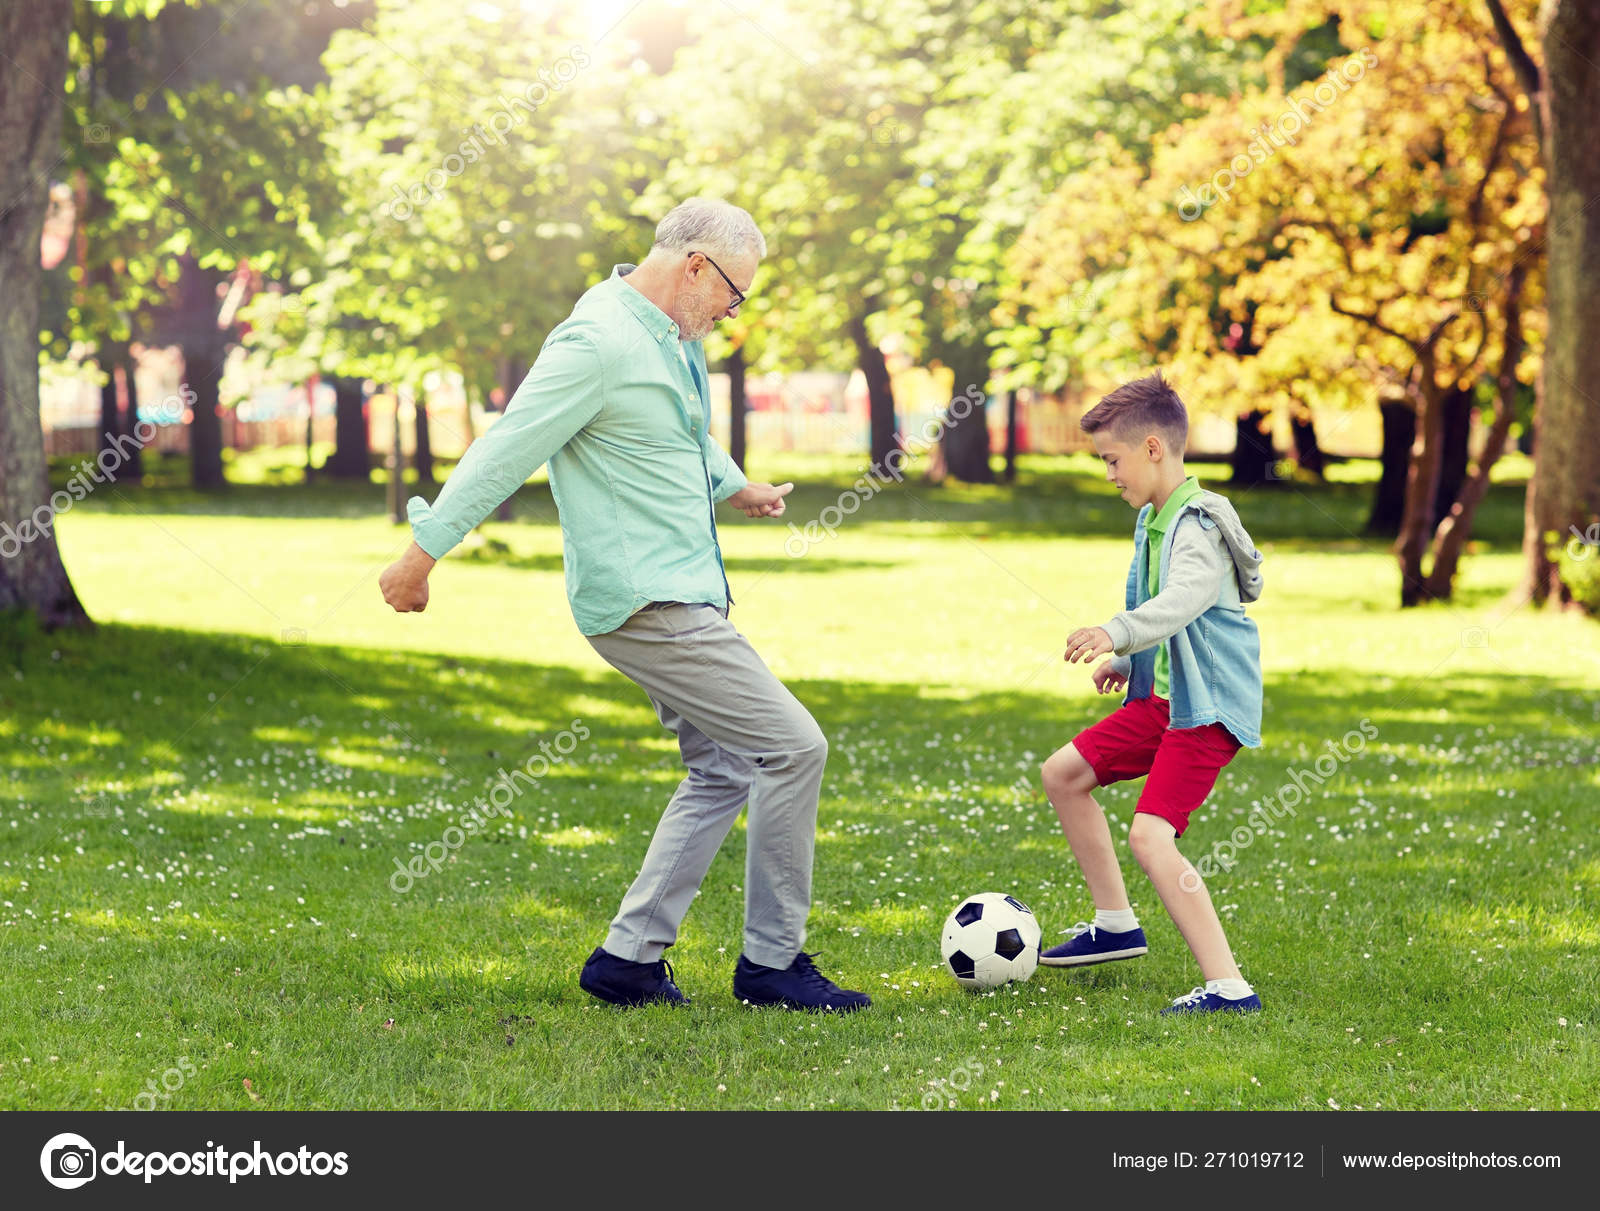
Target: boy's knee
{"points": [[1150, 836], [1066, 770]]}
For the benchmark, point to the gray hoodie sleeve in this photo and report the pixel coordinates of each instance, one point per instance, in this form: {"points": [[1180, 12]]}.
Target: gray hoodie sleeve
{"points": [[1199, 561]]}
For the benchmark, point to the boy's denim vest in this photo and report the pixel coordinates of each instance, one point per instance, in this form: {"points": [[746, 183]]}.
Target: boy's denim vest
{"points": [[1216, 659]]}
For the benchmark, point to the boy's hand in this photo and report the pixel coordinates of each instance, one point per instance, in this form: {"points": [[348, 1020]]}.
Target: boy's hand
{"points": [[1086, 643], [1107, 678]]}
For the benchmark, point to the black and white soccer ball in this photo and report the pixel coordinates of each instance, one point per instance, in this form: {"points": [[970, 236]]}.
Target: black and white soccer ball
{"points": [[989, 939]]}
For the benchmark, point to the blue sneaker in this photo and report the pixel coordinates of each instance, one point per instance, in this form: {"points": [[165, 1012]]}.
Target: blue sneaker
{"points": [[625, 983], [1090, 945], [798, 986], [1201, 1001]]}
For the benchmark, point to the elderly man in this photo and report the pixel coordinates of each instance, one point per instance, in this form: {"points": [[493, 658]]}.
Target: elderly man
{"points": [[618, 405]]}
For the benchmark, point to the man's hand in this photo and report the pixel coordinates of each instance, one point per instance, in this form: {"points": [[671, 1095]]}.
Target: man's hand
{"points": [[404, 583], [761, 500], [1107, 678], [1086, 643]]}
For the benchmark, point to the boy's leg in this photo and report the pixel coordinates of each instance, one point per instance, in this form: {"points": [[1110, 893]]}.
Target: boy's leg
{"points": [[1181, 776], [1120, 746], [1069, 781], [1188, 903]]}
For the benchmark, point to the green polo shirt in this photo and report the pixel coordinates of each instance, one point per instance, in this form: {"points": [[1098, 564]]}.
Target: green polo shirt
{"points": [[1155, 530], [619, 408]]}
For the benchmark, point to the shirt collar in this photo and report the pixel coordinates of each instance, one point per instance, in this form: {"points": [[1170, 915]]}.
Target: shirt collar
{"points": [[1181, 495], [656, 321]]}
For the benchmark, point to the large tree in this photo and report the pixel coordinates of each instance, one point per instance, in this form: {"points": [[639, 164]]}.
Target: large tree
{"points": [[1322, 241], [805, 119], [35, 37], [195, 141], [486, 169], [1564, 93], [1023, 92]]}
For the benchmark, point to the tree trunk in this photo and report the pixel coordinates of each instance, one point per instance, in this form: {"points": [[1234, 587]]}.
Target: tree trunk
{"points": [[1422, 486], [204, 350], [118, 452], [1454, 451], [1307, 450], [311, 426], [202, 372], [1565, 488], [1253, 455], [397, 467], [422, 456], [1450, 538], [515, 372], [965, 435], [738, 405], [880, 397], [1389, 501], [109, 447], [1010, 474], [32, 578], [352, 453], [131, 471]]}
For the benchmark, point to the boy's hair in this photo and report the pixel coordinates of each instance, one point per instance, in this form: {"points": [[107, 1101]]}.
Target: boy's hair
{"points": [[1146, 405]]}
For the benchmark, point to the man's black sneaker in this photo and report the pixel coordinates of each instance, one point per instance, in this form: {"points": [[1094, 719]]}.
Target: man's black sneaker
{"points": [[623, 983], [798, 986]]}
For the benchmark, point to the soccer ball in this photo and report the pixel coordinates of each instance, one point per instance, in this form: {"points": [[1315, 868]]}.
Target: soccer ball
{"points": [[990, 938]]}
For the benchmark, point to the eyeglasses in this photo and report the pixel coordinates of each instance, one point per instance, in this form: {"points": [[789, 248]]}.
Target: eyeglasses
{"points": [[738, 295]]}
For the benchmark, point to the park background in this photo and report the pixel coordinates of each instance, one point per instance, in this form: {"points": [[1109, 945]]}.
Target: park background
{"points": [[268, 268]]}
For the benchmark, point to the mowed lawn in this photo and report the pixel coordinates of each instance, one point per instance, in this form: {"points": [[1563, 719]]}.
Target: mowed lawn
{"points": [[204, 800]]}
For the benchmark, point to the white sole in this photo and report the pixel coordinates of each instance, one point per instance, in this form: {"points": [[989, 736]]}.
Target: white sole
{"points": [[1133, 952]]}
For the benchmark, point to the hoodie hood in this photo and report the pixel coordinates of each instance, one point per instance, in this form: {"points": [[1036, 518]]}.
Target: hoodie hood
{"points": [[1246, 559]]}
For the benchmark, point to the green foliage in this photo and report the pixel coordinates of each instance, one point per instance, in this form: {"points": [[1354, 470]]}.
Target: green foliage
{"points": [[1579, 561], [1297, 243]]}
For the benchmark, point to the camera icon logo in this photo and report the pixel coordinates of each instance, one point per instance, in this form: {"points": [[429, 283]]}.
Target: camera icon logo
{"points": [[68, 1161]]}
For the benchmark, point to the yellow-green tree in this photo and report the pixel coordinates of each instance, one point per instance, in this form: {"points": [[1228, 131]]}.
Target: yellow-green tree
{"points": [[1379, 222]]}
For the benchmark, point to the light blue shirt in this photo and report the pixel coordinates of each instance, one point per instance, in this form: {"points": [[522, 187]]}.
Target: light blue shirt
{"points": [[619, 408]]}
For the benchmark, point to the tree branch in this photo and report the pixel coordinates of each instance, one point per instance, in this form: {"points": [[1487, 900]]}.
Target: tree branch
{"points": [[1527, 71], [1373, 320]]}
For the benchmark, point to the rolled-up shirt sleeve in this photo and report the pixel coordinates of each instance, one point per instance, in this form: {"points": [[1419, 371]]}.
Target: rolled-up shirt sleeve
{"points": [[561, 394]]}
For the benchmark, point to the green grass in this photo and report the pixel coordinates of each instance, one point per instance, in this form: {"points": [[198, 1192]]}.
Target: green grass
{"points": [[203, 801]]}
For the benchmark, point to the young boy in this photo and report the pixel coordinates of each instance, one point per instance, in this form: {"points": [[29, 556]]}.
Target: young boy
{"points": [[1191, 662]]}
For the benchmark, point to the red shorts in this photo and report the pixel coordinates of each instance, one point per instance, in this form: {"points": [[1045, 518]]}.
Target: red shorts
{"points": [[1183, 763]]}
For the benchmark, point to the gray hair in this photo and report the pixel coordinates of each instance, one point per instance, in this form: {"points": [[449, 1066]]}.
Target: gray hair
{"points": [[711, 226]]}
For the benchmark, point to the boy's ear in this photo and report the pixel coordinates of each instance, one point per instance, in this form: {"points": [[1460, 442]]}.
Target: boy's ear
{"points": [[1154, 447]]}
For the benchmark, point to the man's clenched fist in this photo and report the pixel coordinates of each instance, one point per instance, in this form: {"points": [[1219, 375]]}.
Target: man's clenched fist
{"points": [[404, 583]]}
